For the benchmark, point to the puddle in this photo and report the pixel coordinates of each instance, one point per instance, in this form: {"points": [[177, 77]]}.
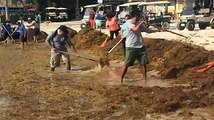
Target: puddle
{"points": [[210, 36], [134, 79], [4, 102], [81, 68]]}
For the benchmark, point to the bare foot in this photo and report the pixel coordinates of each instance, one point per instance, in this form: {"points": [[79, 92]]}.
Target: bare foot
{"points": [[143, 82]]}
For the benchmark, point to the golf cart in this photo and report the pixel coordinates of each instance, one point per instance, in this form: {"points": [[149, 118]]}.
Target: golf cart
{"points": [[156, 14], [62, 14], [51, 13], [192, 16], [125, 9], [103, 9]]}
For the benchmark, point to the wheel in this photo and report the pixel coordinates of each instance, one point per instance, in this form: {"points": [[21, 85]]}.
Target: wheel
{"points": [[181, 25], [82, 25], [202, 26], [212, 23], [165, 25], [190, 25]]}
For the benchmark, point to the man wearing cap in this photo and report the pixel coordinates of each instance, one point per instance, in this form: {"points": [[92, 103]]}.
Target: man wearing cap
{"points": [[59, 41]]}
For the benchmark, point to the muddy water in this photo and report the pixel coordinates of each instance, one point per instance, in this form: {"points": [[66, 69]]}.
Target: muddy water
{"points": [[112, 78]]}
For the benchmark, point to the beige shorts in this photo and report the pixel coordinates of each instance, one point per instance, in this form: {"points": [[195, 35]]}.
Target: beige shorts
{"points": [[56, 57]]}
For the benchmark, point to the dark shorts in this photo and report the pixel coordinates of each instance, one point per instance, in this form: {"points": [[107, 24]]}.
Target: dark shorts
{"points": [[36, 31], [23, 39], [136, 53]]}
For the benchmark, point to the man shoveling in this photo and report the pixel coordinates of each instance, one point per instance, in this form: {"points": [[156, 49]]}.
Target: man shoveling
{"points": [[135, 47], [59, 42]]}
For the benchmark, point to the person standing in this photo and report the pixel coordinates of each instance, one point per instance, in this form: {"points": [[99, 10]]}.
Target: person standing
{"points": [[22, 33], [113, 26], [7, 29], [92, 18], [36, 29], [135, 48], [60, 41], [98, 18], [123, 33]]}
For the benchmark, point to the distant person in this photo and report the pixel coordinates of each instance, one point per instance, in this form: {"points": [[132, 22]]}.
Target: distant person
{"points": [[36, 29], [98, 22], [22, 33], [123, 32], [113, 26], [92, 18], [122, 14], [60, 41], [7, 29]]}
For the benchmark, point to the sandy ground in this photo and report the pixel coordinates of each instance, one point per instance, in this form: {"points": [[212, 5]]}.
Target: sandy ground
{"points": [[28, 89], [203, 38]]}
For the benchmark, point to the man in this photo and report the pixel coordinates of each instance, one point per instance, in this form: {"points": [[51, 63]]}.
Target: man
{"points": [[7, 29], [59, 41], [135, 48], [22, 33], [36, 30]]}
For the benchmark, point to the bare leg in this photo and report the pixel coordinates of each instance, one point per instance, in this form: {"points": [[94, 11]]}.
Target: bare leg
{"points": [[68, 65], [143, 72], [23, 44], [35, 41], [124, 70]]}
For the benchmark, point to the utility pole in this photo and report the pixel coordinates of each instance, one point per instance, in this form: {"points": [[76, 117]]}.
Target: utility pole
{"points": [[6, 10], [77, 9]]}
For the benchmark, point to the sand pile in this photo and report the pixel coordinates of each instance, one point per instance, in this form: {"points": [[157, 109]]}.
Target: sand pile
{"points": [[43, 35], [72, 32], [29, 34], [173, 59], [89, 39]]}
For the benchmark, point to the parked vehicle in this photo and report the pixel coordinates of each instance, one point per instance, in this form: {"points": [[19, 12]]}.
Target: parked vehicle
{"points": [[125, 9], [201, 14], [103, 10], [51, 13], [189, 18], [159, 17], [62, 14]]}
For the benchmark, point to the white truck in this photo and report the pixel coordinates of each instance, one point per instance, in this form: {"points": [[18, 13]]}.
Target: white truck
{"points": [[62, 14], [51, 13], [201, 14]]}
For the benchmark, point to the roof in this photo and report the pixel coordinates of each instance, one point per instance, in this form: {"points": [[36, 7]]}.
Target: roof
{"points": [[62, 8], [155, 3], [131, 3], [91, 6], [50, 8]]}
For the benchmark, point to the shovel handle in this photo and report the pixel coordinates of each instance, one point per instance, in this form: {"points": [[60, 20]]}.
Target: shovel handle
{"points": [[170, 31], [116, 45], [79, 56]]}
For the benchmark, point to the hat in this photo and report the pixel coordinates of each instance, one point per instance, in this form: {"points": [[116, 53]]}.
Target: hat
{"points": [[63, 28]]}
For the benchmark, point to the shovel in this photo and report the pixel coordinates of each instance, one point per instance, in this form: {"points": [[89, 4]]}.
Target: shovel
{"points": [[170, 31], [80, 57], [115, 45]]}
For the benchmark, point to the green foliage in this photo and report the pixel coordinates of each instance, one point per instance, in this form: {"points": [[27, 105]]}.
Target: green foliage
{"points": [[31, 3]]}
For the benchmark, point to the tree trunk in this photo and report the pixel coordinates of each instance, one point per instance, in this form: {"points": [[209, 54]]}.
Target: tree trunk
{"points": [[77, 9], [6, 10]]}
